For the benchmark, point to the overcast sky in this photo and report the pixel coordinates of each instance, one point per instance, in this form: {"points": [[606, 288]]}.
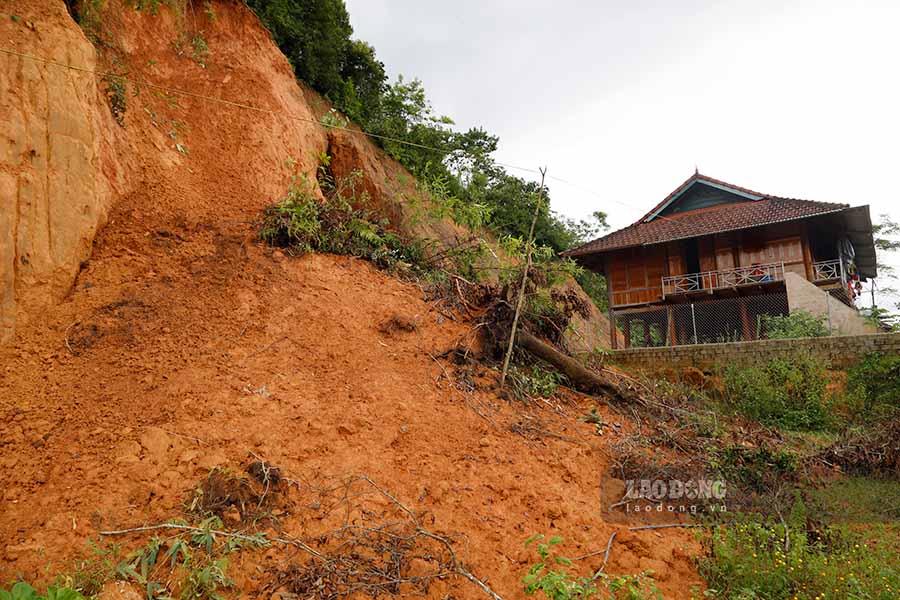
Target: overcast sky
{"points": [[625, 98]]}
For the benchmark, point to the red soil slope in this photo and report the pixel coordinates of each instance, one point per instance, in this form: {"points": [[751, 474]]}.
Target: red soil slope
{"points": [[185, 344]]}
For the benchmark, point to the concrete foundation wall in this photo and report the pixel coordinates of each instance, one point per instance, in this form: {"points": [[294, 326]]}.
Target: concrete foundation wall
{"points": [[803, 295], [838, 351]]}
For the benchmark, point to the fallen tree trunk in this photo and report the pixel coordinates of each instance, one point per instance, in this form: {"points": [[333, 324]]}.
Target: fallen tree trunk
{"points": [[582, 378]]}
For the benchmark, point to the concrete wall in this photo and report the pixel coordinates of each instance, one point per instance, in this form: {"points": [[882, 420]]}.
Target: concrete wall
{"points": [[837, 351], [803, 295]]}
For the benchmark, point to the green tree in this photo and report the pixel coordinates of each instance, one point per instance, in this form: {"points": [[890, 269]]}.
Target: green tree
{"points": [[315, 36]]}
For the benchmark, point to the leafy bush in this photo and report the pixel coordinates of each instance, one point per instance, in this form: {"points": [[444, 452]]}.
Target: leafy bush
{"points": [[302, 223], [534, 381], [882, 318], [798, 324], [875, 384], [116, 94], [594, 285], [23, 591], [785, 393], [151, 6], [755, 558], [550, 576], [89, 16]]}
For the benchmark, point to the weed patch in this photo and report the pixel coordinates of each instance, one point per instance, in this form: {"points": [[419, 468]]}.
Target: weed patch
{"points": [[301, 223], [551, 576], [757, 468], [874, 387], [89, 16], [527, 382], [785, 393], [858, 500], [757, 558], [798, 324], [117, 96], [23, 591]]}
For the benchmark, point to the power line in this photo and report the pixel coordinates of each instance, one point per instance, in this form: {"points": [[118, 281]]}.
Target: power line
{"points": [[355, 131]]}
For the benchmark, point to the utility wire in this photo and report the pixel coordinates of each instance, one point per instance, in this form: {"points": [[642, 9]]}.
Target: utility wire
{"points": [[355, 131]]}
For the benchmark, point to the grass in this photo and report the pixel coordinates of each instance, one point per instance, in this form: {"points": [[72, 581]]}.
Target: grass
{"points": [[759, 558], [859, 500]]}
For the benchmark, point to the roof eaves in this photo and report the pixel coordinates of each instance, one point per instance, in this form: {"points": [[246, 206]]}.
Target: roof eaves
{"points": [[725, 229], [585, 249]]}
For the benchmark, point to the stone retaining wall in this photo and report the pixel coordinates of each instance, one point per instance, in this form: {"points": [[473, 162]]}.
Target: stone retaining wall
{"points": [[838, 351]]}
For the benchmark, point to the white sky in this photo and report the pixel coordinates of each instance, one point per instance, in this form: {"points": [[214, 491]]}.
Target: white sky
{"points": [[624, 98]]}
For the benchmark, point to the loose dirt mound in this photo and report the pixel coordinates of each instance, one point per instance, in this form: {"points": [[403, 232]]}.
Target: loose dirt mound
{"points": [[186, 345]]}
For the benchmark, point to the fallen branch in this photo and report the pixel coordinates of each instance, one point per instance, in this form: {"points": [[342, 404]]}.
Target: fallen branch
{"points": [[606, 554], [582, 378], [666, 526], [238, 536], [612, 538], [455, 566], [66, 336]]}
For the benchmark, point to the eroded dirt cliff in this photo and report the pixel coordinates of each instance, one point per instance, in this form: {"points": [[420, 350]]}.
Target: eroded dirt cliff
{"points": [[53, 189]]}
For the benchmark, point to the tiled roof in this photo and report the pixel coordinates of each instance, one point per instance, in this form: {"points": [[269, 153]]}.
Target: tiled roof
{"points": [[697, 177], [707, 221]]}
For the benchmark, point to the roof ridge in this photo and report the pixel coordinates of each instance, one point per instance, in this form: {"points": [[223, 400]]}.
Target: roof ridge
{"points": [[697, 176]]}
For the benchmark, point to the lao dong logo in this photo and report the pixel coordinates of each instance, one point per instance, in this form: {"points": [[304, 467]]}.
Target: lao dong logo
{"points": [[675, 495]]}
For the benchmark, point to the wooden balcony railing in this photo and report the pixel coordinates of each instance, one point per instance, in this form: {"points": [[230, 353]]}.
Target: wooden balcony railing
{"points": [[717, 280], [828, 270]]}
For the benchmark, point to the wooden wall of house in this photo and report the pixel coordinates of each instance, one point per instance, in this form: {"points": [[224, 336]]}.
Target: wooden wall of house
{"points": [[635, 274], [782, 243]]}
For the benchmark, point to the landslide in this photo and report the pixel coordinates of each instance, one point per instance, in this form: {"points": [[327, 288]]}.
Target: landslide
{"points": [[183, 344]]}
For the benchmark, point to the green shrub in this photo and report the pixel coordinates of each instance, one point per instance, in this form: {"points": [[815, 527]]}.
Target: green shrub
{"points": [[875, 384], [786, 393], [798, 324], [23, 591], [534, 381], [89, 16], [117, 95], [550, 575], [755, 558], [150, 6], [302, 223]]}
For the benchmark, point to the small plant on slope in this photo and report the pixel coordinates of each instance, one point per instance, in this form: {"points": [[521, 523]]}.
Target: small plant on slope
{"points": [[302, 223], [550, 575], [875, 383], [23, 591]]}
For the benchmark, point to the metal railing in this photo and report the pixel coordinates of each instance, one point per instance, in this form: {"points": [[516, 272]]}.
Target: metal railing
{"points": [[828, 270], [716, 280]]}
